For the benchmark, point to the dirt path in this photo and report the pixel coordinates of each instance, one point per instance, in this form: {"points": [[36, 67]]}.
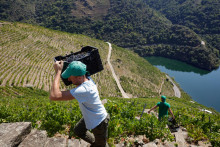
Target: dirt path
{"points": [[124, 95], [161, 86], [175, 88]]}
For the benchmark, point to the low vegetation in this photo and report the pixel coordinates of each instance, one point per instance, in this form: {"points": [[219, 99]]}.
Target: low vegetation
{"points": [[145, 27], [33, 105]]}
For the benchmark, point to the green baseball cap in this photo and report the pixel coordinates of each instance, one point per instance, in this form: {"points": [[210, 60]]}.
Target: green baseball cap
{"points": [[163, 97], [75, 68]]}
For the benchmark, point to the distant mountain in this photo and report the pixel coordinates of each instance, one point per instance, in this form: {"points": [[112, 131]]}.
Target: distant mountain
{"points": [[202, 16], [184, 30]]}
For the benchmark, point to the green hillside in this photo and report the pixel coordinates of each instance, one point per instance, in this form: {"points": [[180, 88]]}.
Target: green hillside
{"points": [[27, 72], [202, 16], [27, 54], [173, 29], [33, 105]]}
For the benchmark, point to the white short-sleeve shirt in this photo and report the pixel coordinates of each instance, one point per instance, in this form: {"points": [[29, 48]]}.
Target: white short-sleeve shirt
{"points": [[90, 104]]}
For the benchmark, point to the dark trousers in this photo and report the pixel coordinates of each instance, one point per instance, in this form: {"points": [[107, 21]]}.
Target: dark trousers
{"points": [[97, 137]]}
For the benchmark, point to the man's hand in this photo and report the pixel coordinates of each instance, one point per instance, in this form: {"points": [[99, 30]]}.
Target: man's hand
{"points": [[152, 109], [55, 93], [58, 66]]}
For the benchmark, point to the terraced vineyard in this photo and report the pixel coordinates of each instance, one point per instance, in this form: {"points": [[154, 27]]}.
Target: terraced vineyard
{"points": [[27, 54]]}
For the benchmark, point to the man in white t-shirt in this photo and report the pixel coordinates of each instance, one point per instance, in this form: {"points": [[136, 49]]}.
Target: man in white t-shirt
{"points": [[95, 117]]}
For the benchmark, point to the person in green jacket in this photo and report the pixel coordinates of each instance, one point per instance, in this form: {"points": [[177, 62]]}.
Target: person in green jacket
{"points": [[163, 108]]}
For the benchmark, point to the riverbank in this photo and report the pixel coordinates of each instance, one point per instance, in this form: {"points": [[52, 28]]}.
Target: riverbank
{"points": [[201, 85]]}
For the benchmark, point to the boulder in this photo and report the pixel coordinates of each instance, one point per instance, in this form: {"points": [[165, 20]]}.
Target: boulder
{"points": [[36, 138], [139, 140], [150, 144], [83, 143], [180, 138], [12, 134], [73, 143], [204, 144], [56, 142], [169, 144], [156, 141]]}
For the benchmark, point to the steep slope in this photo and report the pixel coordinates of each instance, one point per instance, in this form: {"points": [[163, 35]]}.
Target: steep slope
{"points": [[27, 54]]}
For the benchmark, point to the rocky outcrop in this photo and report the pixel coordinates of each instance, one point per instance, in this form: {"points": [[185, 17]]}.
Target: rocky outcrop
{"points": [[34, 139], [12, 134], [180, 137], [20, 134]]}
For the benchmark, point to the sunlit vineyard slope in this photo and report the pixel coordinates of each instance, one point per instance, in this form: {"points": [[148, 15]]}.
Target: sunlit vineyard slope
{"points": [[27, 54]]}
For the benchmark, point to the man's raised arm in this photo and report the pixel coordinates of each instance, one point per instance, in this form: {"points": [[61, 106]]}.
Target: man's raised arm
{"points": [[55, 93]]}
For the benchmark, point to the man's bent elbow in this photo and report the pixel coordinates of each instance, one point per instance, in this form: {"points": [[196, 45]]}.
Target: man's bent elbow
{"points": [[54, 97]]}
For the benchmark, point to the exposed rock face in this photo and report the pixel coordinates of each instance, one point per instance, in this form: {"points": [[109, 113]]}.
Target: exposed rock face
{"points": [[12, 134], [180, 137], [19, 134], [36, 138], [180, 140], [56, 142], [150, 144]]}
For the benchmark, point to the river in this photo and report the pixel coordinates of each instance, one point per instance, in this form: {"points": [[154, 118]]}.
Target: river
{"points": [[203, 86]]}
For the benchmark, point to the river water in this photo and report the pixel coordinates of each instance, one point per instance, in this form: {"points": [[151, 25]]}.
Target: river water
{"points": [[203, 86]]}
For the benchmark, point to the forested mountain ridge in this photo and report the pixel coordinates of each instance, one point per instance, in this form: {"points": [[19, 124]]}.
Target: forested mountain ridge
{"points": [[161, 28], [202, 16]]}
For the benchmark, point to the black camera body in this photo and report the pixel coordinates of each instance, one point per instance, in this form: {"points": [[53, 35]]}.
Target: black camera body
{"points": [[88, 55]]}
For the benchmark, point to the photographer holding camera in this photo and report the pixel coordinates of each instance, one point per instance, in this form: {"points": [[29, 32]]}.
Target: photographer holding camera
{"points": [[95, 117]]}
